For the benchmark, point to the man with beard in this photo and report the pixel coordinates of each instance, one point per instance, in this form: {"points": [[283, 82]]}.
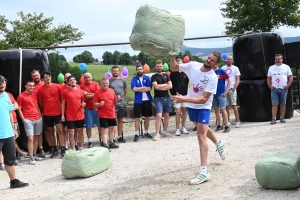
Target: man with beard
{"points": [[72, 105], [105, 99], [231, 98], [141, 86], [8, 134], [90, 112], [162, 84], [199, 101], [120, 87], [31, 118], [38, 83], [49, 99]]}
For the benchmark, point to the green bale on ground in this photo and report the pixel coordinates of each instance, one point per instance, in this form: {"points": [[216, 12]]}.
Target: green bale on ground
{"points": [[85, 163], [279, 171], [157, 32]]}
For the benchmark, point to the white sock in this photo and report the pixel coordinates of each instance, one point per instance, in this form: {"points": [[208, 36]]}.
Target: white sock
{"points": [[90, 140], [120, 137], [137, 133], [146, 131], [177, 129], [203, 169]]}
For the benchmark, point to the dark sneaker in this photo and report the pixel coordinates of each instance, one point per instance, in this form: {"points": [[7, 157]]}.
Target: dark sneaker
{"points": [[136, 138], [195, 129], [90, 144], [76, 148], [102, 144], [282, 120], [51, 151], [63, 152], [113, 145], [147, 135], [227, 129], [121, 139], [273, 121], [219, 128], [55, 153], [18, 184], [2, 166], [42, 153]]}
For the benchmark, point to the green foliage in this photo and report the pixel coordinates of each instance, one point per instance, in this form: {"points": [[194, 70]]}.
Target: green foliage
{"points": [[84, 57], [250, 16], [35, 30], [116, 58], [107, 58]]}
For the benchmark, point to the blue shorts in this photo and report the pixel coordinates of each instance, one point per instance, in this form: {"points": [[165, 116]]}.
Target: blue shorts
{"points": [[219, 101], [278, 96], [201, 116], [163, 104], [91, 118]]}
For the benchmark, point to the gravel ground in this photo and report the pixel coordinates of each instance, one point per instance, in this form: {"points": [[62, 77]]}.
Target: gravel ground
{"points": [[162, 169]]}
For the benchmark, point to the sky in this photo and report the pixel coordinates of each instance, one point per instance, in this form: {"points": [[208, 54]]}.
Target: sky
{"points": [[111, 21]]}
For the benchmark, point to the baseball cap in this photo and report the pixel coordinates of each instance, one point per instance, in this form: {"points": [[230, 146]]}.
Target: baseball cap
{"points": [[2, 78]]}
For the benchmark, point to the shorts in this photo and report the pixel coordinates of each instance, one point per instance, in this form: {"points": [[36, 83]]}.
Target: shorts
{"points": [[91, 118], [278, 96], [201, 116], [179, 105], [219, 102], [50, 121], [163, 104], [75, 124], [121, 110], [105, 122], [145, 109], [33, 127], [8, 148], [231, 98]]}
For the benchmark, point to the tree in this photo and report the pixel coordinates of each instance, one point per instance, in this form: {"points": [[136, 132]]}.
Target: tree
{"points": [[35, 30], [116, 58], [125, 58], [106, 58], [250, 16], [84, 57]]}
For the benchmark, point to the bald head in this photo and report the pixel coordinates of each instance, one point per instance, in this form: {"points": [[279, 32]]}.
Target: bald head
{"points": [[87, 77], [229, 60]]}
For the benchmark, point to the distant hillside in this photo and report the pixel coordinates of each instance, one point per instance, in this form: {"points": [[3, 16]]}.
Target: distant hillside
{"points": [[204, 52]]}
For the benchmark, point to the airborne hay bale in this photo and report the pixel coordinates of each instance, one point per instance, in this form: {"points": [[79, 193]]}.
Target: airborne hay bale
{"points": [[279, 171], [85, 163], [157, 32]]}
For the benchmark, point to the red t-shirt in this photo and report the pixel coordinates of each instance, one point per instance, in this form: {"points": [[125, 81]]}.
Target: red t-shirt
{"points": [[90, 88], [37, 86], [12, 99], [109, 97], [50, 96], [73, 99], [29, 106], [65, 86]]}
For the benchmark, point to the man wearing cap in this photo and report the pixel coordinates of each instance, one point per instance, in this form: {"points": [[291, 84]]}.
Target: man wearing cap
{"points": [[8, 135]]}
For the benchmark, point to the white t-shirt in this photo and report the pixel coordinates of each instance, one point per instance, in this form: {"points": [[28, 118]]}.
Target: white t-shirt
{"points": [[231, 71], [144, 97], [279, 75], [200, 82]]}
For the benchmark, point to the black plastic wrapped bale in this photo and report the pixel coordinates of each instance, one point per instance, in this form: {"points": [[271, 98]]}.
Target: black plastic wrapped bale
{"points": [[254, 53], [10, 65], [254, 100]]}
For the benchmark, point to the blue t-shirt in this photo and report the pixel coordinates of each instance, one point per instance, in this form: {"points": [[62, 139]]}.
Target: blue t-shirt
{"points": [[222, 76], [6, 107]]}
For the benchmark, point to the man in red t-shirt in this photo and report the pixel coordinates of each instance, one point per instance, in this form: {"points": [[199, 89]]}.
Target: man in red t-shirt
{"points": [[49, 99], [38, 83], [31, 117], [89, 87], [72, 104], [105, 99]]}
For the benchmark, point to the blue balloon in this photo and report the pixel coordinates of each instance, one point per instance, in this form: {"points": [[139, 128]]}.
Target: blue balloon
{"points": [[224, 56], [82, 66]]}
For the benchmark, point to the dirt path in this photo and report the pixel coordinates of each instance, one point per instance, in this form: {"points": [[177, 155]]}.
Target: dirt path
{"points": [[162, 170]]}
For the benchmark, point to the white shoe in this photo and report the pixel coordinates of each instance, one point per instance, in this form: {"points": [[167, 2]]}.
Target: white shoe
{"points": [[37, 157], [1, 166], [177, 132], [184, 130], [221, 149], [156, 137], [31, 161], [200, 178], [237, 124], [165, 134]]}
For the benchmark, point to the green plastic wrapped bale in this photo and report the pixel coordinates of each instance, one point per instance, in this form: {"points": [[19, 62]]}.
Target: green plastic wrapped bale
{"points": [[157, 32], [85, 163], [279, 171]]}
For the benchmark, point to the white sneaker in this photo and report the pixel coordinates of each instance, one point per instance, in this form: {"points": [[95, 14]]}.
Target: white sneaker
{"points": [[237, 124], [1, 166], [184, 130], [156, 137], [200, 178], [177, 132], [37, 157], [165, 134], [221, 149], [31, 161]]}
